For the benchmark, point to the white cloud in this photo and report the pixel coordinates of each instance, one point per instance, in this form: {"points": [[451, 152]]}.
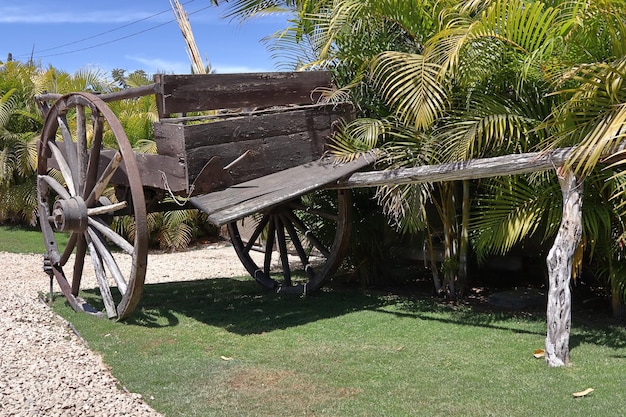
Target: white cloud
{"points": [[37, 15], [157, 65]]}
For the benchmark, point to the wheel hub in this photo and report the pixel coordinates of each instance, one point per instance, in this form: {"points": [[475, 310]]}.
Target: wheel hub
{"points": [[70, 215]]}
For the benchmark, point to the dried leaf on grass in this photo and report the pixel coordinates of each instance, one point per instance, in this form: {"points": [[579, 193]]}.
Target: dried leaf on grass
{"points": [[583, 393], [539, 353], [226, 358]]}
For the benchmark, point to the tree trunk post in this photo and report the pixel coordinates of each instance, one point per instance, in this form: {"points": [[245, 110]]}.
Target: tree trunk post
{"points": [[464, 237], [559, 262]]}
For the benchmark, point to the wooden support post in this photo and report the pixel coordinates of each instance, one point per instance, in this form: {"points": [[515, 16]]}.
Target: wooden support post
{"points": [[559, 263]]}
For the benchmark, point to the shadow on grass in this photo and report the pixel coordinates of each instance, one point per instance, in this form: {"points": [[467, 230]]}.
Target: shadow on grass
{"points": [[240, 306], [603, 331]]}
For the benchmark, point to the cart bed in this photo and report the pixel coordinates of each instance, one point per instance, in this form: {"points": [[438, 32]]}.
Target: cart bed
{"points": [[249, 197]]}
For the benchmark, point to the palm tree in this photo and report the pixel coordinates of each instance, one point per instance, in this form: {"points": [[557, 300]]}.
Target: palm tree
{"points": [[552, 53], [19, 123]]}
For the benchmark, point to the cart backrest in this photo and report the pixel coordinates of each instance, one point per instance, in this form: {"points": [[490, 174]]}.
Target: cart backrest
{"points": [[266, 122], [201, 92]]}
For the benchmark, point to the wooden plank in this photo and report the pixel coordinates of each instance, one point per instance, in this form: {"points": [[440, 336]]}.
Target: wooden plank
{"points": [[250, 197], [259, 126], [170, 139], [150, 166], [198, 92], [153, 168], [267, 155], [278, 140]]}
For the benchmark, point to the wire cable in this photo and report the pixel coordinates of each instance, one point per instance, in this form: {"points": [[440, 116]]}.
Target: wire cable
{"points": [[18, 56]]}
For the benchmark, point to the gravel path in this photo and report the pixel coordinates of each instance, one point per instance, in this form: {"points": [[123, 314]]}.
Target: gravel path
{"points": [[45, 370]]}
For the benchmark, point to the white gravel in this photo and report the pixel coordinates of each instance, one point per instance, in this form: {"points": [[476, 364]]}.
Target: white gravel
{"points": [[45, 370]]}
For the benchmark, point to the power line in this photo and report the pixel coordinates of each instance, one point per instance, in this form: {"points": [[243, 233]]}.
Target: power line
{"points": [[106, 32], [109, 31]]}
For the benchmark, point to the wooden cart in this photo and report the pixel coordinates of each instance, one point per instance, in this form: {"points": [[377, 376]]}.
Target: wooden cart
{"points": [[231, 145]]}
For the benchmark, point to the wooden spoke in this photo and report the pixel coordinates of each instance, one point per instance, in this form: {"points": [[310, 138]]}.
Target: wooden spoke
{"points": [[56, 186], [269, 247], [282, 250], [79, 262], [104, 179], [63, 167], [286, 230], [108, 259], [69, 248], [80, 209], [71, 152], [81, 146], [91, 176], [257, 232], [118, 240], [105, 291], [110, 208], [308, 234], [295, 241]]}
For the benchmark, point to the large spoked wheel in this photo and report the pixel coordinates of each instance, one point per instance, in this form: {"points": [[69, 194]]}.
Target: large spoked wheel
{"points": [[75, 171], [302, 242]]}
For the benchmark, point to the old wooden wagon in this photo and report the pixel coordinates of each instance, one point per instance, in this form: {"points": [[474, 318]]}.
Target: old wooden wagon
{"points": [[231, 145]]}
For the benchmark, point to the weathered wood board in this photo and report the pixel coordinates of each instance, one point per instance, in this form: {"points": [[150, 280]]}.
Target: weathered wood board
{"points": [[462, 170], [151, 167], [244, 199], [271, 141], [199, 92]]}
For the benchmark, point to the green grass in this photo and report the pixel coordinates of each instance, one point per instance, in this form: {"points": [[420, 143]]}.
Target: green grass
{"points": [[16, 239], [342, 353]]}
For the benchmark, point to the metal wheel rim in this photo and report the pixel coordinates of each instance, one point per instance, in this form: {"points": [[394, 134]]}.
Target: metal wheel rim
{"points": [[53, 124], [317, 275]]}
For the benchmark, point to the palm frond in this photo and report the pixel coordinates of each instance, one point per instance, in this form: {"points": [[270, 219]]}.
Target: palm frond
{"points": [[412, 85], [146, 146], [6, 166], [243, 10], [593, 117], [488, 126], [404, 205], [526, 25], [175, 232], [7, 107], [359, 136], [295, 50], [513, 210]]}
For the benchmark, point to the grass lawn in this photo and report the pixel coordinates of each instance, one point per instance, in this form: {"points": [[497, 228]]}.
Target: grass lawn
{"points": [[14, 239], [221, 347]]}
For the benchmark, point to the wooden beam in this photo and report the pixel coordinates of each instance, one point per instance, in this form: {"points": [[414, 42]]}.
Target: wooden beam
{"points": [[462, 170]]}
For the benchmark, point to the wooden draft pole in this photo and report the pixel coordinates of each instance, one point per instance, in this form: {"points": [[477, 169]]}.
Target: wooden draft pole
{"points": [[560, 258], [463, 170]]}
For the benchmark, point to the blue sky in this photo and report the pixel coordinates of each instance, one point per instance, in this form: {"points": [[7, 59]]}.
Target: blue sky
{"points": [[138, 34]]}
